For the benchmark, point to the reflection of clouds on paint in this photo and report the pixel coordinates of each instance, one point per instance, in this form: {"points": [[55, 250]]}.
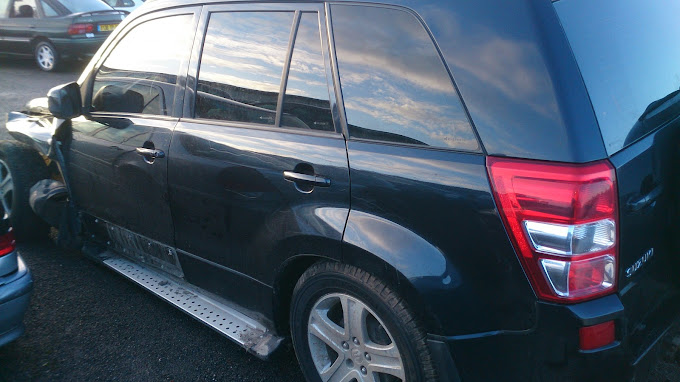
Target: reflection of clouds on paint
{"points": [[393, 79], [246, 49], [134, 53]]}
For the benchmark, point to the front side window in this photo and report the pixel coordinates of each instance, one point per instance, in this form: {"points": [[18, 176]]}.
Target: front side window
{"points": [[242, 68], [24, 9], [139, 75], [394, 84]]}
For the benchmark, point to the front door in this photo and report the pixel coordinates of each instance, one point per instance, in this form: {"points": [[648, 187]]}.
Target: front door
{"points": [[118, 155], [258, 173], [18, 28]]}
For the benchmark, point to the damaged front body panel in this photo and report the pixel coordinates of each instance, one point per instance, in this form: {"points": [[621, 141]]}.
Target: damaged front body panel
{"points": [[50, 198]]}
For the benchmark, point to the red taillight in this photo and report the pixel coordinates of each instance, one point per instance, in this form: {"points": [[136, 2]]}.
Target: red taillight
{"points": [[80, 28], [7, 243], [562, 220], [597, 336]]}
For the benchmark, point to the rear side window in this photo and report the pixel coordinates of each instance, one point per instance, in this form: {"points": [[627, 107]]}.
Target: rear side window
{"points": [[48, 10], [139, 75], [243, 58], [394, 83], [77, 6], [306, 103], [246, 62], [628, 54]]}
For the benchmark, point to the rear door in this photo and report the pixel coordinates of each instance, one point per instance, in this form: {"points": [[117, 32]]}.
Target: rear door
{"points": [[118, 154], [258, 171], [630, 61]]}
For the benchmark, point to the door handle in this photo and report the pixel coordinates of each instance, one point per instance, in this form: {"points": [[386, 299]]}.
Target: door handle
{"points": [[151, 153], [315, 180], [645, 200]]}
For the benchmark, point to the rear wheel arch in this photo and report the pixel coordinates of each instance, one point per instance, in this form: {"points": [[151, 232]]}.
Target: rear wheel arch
{"points": [[395, 279], [293, 268], [284, 285], [37, 39]]}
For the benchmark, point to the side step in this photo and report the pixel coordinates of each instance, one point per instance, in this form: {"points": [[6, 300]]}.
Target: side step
{"points": [[250, 334]]}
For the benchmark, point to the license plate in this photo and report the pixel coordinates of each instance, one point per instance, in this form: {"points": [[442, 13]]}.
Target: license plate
{"points": [[106, 27]]}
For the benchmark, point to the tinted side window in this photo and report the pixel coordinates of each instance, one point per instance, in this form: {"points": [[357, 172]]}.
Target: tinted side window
{"points": [[394, 84], [139, 75], [243, 58], [306, 103]]}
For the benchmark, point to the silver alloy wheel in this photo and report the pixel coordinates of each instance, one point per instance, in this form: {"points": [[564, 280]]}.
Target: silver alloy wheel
{"points": [[348, 342], [45, 57], [6, 187]]}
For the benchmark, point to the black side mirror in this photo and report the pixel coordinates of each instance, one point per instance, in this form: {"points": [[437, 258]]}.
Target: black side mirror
{"points": [[64, 101]]}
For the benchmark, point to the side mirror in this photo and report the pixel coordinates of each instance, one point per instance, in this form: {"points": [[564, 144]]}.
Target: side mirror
{"points": [[64, 101]]}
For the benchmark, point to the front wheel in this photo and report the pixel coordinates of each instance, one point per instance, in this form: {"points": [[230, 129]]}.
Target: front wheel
{"points": [[347, 325], [46, 56], [20, 168]]}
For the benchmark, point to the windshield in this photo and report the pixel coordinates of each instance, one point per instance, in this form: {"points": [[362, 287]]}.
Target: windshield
{"points": [[79, 6], [629, 57]]}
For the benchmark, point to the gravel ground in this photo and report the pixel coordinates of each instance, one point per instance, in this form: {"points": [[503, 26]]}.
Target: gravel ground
{"points": [[87, 323]]}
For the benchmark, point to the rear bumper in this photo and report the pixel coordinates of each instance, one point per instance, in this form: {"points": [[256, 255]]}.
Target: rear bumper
{"points": [[15, 292], [550, 350]]}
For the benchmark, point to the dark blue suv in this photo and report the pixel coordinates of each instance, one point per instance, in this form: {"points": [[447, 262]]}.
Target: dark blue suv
{"points": [[411, 190]]}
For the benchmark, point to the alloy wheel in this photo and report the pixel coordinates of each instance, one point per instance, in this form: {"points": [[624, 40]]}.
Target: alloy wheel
{"points": [[349, 343], [45, 57]]}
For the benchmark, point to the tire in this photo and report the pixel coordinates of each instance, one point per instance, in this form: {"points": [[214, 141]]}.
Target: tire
{"points": [[46, 56], [20, 168], [389, 332]]}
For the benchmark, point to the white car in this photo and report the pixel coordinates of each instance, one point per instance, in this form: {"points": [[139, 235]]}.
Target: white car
{"points": [[125, 5]]}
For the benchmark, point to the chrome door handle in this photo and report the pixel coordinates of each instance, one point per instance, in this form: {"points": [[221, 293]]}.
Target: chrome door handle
{"points": [[151, 153], [315, 180]]}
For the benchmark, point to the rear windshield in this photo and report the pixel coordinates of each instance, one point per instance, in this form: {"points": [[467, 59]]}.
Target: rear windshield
{"points": [[629, 55], [79, 6]]}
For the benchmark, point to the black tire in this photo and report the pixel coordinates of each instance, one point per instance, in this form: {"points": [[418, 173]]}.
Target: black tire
{"points": [[46, 56], [25, 167], [321, 284]]}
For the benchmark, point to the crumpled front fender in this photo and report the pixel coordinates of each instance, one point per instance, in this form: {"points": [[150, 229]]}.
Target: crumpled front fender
{"points": [[35, 131]]}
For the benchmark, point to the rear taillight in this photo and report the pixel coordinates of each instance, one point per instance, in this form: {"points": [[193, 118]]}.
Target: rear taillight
{"points": [[80, 28], [7, 243], [562, 220]]}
